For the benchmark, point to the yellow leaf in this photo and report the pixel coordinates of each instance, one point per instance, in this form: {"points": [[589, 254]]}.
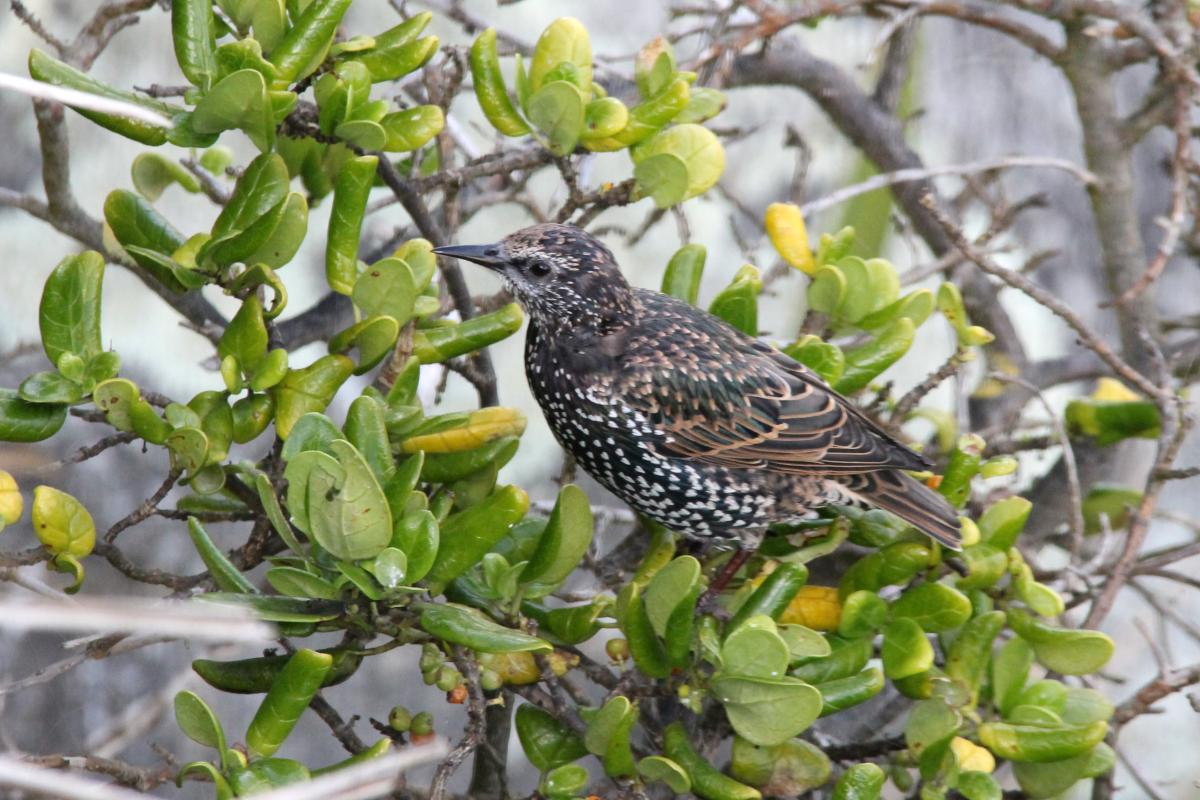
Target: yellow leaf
{"points": [[972, 757], [61, 522], [11, 502], [785, 226], [815, 607], [1111, 390], [481, 427]]}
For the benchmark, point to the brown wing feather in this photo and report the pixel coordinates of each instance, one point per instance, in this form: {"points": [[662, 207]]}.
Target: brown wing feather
{"points": [[759, 410]]}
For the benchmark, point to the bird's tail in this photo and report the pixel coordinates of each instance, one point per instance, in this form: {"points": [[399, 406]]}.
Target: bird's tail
{"points": [[912, 501]]}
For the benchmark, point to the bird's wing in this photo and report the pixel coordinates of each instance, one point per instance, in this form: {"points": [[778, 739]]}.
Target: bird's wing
{"points": [[727, 399]]}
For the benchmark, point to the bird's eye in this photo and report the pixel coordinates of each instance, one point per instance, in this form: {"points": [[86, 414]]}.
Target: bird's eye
{"points": [[539, 268]]}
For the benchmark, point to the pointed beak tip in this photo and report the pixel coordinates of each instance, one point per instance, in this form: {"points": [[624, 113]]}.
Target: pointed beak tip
{"points": [[487, 255]]}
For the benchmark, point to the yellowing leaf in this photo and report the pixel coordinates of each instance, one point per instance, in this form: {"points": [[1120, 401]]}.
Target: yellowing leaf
{"points": [[972, 757], [11, 502], [61, 522], [815, 607], [1113, 391], [481, 427], [785, 226]]}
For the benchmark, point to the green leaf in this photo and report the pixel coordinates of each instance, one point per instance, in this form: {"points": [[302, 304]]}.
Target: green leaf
{"points": [[296, 582], [467, 535], [866, 362], [870, 286], [385, 289], [664, 177], [823, 358], [210, 773], [934, 606], [803, 642], [737, 303], [308, 390], [686, 267], [754, 650], [239, 101], [696, 147], [1111, 421], [842, 693], [565, 540], [21, 421], [269, 22], [1010, 670], [765, 711], [189, 448], [246, 336], [50, 70], [1071, 652], [261, 187], [373, 337], [827, 289], [654, 67], [607, 736], [916, 306], [366, 431], [863, 613], [975, 785], [350, 193], [225, 575], [930, 723], [389, 62], [566, 781], [411, 128], [906, 650], [547, 742], [289, 695], [604, 117], [860, 782], [278, 609], [61, 523], [469, 627], [198, 722], [390, 568], [703, 103], [313, 431], [152, 173], [664, 770], [1085, 706], [1003, 522], [788, 769], [556, 109], [264, 774], [289, 224], [442, 343], [563, 41], [667, 589], [195, 43], [69, 315], [1040, 744], [1111, 501], [364, 134], [1052, 779], [345, 509], [306, 43], [49, 387]]}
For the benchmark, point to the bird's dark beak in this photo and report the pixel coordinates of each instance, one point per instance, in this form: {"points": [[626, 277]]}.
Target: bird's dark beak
{"points": [[487, 255]]}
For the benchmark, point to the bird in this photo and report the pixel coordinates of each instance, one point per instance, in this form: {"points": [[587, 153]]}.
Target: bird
{"points": [[709, 431]]}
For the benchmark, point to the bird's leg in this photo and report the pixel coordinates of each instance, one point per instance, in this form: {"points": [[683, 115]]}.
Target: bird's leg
{"points": [[740, 556]]}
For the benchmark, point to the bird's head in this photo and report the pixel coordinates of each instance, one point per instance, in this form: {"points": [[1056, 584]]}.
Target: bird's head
{"points": [[564, 277]]}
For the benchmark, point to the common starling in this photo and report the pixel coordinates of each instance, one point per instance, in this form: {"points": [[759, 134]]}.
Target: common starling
{"points": [[688, 420]]}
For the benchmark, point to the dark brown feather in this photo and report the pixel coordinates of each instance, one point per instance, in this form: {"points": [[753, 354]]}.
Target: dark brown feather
{"points": [[758, 410]]}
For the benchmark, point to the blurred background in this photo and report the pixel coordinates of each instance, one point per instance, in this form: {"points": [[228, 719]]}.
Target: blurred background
{"points": [[972, 95]]}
